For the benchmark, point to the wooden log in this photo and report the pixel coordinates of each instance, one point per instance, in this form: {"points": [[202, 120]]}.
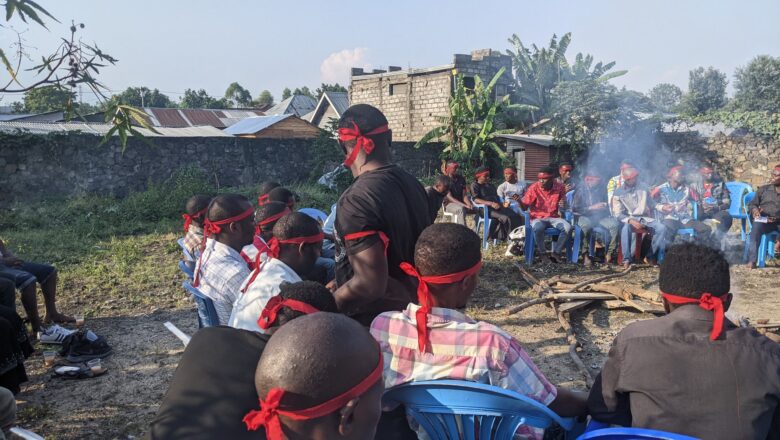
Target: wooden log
{"points": [[573, 296], [540, 286], [627, 291], [646, 307], [581, 285], [574, 305], [571, 337]]}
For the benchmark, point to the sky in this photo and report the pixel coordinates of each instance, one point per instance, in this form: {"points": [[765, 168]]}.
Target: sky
{"points": [[173, 45]]}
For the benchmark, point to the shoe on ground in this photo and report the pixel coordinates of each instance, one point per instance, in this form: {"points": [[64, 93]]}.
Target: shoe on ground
{"points": [[54, 334], [85, 346]]}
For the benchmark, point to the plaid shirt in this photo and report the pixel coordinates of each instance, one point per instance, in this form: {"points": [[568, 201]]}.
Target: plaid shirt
{"points": [[460, 348], [250, 251], [679, 199], [222, 272], [193, 239], [542, 203]]}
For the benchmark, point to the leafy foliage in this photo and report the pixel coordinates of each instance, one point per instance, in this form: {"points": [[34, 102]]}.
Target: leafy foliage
{"points": [[286, 93], [237, 96], [200, 99], [143, 97], [265, 98], [706, 91], [757, 85], [328, 88], [757, 122], [303, 91], [48, 98], [666, 97]]}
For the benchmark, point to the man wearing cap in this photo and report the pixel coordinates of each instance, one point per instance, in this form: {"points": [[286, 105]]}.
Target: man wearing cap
{"points": [[544, 199], [511, 189], [485, 194], [765, 212], [590, 210], [457, 201], [564, 176], [633, 207], [692, 372], [674, 203], [714, 200]]}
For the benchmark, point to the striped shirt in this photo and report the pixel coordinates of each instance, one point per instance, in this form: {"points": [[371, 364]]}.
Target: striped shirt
{"points": [[222, 272], [461, 349]]}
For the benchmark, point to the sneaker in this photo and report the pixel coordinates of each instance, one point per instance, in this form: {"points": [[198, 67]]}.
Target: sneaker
{"points": [[54, 334]]}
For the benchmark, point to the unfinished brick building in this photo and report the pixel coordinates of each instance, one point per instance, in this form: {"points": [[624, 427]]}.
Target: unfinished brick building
{"points": [[412, 99]]}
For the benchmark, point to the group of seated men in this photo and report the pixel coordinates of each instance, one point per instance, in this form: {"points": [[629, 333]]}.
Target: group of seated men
{"points": [[309, 361], [623, 207]]}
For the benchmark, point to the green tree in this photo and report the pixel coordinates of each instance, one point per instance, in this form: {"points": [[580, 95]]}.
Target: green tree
{"points": [[666, 97], [143, 97], [48, 98], [265, 98], [329, 88], [303, 91], [706, 91], [200, 99], [635, 101], [286, 93], [757, 85], [237, 96]]}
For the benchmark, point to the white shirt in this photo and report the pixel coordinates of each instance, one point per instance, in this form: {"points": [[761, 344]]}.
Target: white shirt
{"points": [[222, 272], [249, 305], [506, 189]]}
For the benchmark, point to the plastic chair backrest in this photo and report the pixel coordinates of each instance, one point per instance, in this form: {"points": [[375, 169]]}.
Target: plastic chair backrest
{"points": [[455, 409], [187, 269], [737, 192], [316, 214], [187, 255], [207, 314], [632, 434]]}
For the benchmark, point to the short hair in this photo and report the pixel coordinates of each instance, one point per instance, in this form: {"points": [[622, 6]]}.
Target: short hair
{"points": [[281, 194], [443, 179], [565, 164], [445, 248], [196, 204], [226, 206], [691, 270], [268, 210], [367, 118], [295, 224], [309, 292], [549, 169], [267, 186]]}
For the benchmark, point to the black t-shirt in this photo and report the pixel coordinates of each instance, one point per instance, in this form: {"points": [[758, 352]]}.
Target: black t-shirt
{"points": [[213, 387], [457, 187], [435, 199], [485, 191], [390, 200]]}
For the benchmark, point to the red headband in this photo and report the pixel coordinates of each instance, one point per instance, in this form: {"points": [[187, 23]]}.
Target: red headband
{"points": [[510, 171], [707, 302], [777, 167], [673, 170], [189, 218], [705, 170], [357, 235], [565, 168], [273, 252], [262, 199], [271, 219], [363, 141], [211, 227], [452, 166], [272, 307], [483, 173], [424, 295], [269, 413], [629, 173], [544, 175]]}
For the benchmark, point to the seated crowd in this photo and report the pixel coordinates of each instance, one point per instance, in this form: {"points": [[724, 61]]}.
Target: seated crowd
{"points": [[296, 359]]}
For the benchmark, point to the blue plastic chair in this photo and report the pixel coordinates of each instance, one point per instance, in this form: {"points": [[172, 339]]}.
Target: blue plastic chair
{"points": [[188, 267], [455, 409], [738, 207], [688, 233], [187, 255], [572, 251], [316, 214], [207, 313], [484, 221], [602, 431]]}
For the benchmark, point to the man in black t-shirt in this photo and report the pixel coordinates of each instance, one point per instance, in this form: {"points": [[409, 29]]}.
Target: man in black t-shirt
{"points": [[436, 195], [457, 201], [484, 193], [378, 220]]}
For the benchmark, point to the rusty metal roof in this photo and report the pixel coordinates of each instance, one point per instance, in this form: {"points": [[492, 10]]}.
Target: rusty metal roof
{"points": [[101, 129]]}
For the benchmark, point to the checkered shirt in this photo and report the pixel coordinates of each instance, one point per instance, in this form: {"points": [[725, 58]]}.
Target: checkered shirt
{"points": [[460, 348], [193, 239], [222, 272]]}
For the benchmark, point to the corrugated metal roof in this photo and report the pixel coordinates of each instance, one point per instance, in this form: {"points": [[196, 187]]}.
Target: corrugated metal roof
{"points": [[299, 105], [199, 116], [539, 139], [102, 129], [254, 125], [195, 117], [339, 101], [12, 117], [169, 117]]}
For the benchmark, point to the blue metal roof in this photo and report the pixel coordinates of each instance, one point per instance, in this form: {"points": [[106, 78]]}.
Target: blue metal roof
{"points": [[254, 125]]}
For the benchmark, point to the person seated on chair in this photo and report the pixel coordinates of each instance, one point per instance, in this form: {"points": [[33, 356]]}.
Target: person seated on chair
{"points": [[436, 194], [674, 202], [221, 270], [511, 189], [213, 386], [293, 250], [284, 195], [544, 199], [633, 207], [457, 201], [434, 340], [266, 217], [564, 176], [195, 213], [714, 200], [692, 372], [25, 275], [265, 188], [319, 377], [590, 209], [617, 181], [503, 219], [765, 211]]}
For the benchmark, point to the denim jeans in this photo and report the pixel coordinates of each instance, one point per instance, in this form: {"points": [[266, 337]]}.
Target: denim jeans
{"points": [[541, 224], [658, 231], [611, 224]]}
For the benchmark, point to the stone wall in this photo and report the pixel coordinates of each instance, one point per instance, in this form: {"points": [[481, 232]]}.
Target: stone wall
{"points": [[73, 164], [747, 158]]}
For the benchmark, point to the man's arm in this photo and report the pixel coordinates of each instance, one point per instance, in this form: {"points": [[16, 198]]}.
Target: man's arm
{"points": [[569, 403], [605, 402], [451, 199], [754, 207], [369, 281]]}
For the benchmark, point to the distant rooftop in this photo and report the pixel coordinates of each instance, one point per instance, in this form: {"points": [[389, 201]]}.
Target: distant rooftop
{"points": [[254, 125], [100, 129], [298, 105]]}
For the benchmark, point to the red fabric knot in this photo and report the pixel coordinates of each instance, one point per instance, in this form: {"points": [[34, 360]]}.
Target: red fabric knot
{"points": [[363, 141], [424, 295], [272, 307], [268, 415], [273, 252], [212, 227], [707, 302], [189, 218], [269, 220], [358, 235], [262, 199]]}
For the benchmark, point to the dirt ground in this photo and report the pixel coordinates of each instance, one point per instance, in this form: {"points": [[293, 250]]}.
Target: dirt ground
{"points": [[121, 403]]}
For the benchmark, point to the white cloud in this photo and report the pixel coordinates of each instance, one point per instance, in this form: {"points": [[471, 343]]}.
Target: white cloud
{"points": [[335, 68]]}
